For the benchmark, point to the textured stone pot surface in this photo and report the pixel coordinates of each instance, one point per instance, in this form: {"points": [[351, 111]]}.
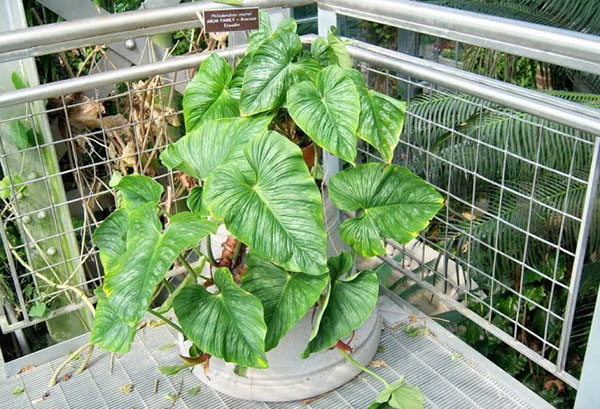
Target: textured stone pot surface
{"points": [[290, 377]]}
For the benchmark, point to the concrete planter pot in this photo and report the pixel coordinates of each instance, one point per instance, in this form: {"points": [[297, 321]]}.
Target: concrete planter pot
{"points": [[290, 377]]}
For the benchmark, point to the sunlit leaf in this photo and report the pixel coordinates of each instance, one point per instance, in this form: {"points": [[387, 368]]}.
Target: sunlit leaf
{"points": [[328, 110], [391, 202], [228, 325], [271, 187], [286, 297], [350, 301], [208, 95]]}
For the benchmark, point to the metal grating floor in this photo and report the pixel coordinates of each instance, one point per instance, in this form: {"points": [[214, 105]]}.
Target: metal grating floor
{"points": [[451, 375]]}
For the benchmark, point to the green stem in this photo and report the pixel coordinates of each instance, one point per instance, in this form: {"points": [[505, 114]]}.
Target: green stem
{"points": [[236, 253], [187, 266], [362, 368], [209, 253], [169, 286], [166, 320]]}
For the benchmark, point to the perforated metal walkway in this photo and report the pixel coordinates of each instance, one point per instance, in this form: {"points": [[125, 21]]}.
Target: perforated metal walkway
{"points": [[450, 373]]}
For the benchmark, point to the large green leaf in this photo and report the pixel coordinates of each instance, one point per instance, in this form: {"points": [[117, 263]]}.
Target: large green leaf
{"points": [[208, 96], [257, 37], [211, 144], [350, 301], [269, 201], [286, 297], [229, 325], [321, 52], [339, 49], [381, 118], [111, 238], [328, 111], [391, 202], [110, 332], [273, 70], [131, 280]]}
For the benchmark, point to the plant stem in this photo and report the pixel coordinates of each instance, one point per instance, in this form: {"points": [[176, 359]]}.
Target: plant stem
{"points": [[66, 361], [362, 368], [165, 320], [236, 253], [169, 286], [187, 265], [209, 253]]}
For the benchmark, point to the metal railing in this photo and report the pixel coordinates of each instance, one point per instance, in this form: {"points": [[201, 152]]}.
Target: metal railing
{"points": [[460, 152]]}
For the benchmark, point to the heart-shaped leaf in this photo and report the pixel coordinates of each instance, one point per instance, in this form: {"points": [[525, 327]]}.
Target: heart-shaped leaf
{"points": [[269, 201], [402, 395], [349, 303], [328, 111], [273, 70], [147, 255], [110, 332], [286, 297], [136, 190], [208, 95], [392, 202], [211, 144], [229, 325], [381, 118]]}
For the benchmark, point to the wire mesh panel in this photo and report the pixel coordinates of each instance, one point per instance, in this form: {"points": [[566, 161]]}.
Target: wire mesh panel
{"points": [[93, 137], [506, 244]]}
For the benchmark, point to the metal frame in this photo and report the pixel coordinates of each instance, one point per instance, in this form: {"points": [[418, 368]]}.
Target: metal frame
{"points": [[557, 46], [545, 44], [68, 35]]}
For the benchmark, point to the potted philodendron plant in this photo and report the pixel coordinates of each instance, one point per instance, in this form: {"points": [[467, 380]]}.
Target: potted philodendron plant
{"points": [[273, 276]]}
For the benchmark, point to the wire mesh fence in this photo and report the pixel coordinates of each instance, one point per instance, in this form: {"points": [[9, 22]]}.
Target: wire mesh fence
{"points": [[47, 234], [506, 245]]}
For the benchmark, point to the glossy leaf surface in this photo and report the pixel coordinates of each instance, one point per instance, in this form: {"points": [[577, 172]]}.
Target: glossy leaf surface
{"points": [[381, 118], [211, 144], [110, 332], [350, 301], [273, 70], [328, 111], [269, 201], [286, 297], [391, 201], [208, 95], [229, 325]]}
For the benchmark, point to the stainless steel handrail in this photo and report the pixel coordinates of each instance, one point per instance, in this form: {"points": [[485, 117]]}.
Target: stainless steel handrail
{"points": [[557, 46], [50, 38]]}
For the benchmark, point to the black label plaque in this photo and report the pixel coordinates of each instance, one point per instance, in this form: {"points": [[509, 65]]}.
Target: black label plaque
{"points": [[245, 19]]}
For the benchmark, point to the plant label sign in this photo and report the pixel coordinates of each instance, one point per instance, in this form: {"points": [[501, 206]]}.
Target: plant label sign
{"points": [[242, 19]]}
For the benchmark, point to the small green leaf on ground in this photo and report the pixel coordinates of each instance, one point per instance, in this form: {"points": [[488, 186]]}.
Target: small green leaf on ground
{"points": [[18, 390], [171, 396], [240, 370], [454, 356], [126, 389], [173, 369], [380, 349], [413, 330], [194, 390], [166, 347]]}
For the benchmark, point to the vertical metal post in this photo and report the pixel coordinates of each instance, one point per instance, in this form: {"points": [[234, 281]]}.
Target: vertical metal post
{"points": [[589, 383], [584, 232], [331, 164]]}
